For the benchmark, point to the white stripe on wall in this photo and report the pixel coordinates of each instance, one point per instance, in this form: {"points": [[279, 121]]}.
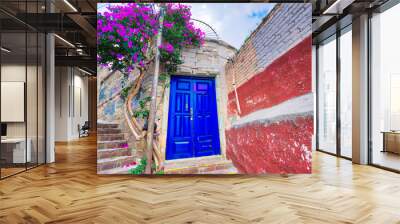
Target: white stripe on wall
{"points": [[300, 105]]}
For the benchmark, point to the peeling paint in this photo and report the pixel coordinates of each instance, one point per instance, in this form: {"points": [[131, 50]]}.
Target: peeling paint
{"points": [[280, 147]]}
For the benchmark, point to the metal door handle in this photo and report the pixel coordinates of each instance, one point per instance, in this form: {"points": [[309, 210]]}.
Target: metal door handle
{"points": [[191, 114]]}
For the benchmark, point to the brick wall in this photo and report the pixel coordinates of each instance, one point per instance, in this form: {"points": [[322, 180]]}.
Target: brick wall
{"points": [[270, 104]]}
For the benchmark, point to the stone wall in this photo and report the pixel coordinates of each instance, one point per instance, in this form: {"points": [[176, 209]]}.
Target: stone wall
{"points": [[270, 104], [111, 104], [206, 61], [209, 60]]}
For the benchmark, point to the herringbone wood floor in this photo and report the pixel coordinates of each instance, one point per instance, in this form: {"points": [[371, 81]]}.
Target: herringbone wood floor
{"points": [[69, 191]]}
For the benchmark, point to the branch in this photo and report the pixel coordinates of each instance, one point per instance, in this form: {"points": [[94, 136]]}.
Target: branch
{"points": [[149, 61]]}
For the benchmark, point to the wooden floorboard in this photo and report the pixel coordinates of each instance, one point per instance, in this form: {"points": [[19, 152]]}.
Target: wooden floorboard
{"points": [[70, 191]]}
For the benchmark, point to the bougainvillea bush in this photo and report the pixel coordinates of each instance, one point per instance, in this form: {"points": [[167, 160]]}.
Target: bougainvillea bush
{"points": [[126, 35], [126, 40], [178, 32]]}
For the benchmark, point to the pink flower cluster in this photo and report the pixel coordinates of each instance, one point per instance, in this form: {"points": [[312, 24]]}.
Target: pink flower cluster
{"points": [[183, 10], [130, 164], [190, 33], [167, 47], [168, 25], [126, 32]]}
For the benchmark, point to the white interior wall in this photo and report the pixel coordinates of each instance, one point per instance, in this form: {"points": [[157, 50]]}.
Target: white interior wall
{"points": [[70, 83], [33, 126], [80, 109], [61, 103], [14, 73]]}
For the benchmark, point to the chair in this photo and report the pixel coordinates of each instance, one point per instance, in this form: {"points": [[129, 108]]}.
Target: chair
{"points": [[84, 130]]}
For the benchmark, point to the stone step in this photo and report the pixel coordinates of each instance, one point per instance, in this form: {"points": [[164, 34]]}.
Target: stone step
{"points": [[119, 170], [113, 152], [200, 165], [112, 144], [116, 162], [110, 137], [108, 130], [107, 125], [229, 170]]}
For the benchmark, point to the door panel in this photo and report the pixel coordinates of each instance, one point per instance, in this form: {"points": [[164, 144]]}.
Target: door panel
{"points": [[181, 134], [193, 121], [206, 122]]}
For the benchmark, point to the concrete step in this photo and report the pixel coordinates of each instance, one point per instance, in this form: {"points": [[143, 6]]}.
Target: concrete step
{"points": [[115, 162], [107, 125], [200, 165], [112, 144], [108, 130], [119, 170], [110, 137], [113, 152]]}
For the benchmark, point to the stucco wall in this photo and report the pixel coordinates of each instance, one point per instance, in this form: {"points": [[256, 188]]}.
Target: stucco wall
{"points": [[270, 102]]}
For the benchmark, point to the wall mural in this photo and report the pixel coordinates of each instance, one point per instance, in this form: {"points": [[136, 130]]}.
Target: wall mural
{"points": [[217, 109]]}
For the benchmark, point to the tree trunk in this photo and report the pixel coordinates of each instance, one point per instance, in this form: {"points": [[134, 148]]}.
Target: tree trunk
{"points": [[133, 92], [138, 84], [153, 103]]}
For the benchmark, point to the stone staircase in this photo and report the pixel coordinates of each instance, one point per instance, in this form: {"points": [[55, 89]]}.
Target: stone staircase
{"points": [[200, 165], [113, 153]]}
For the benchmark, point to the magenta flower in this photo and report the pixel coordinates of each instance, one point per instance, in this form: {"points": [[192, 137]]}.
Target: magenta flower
{"points": [[125, 31], [135, 57], [167, 47], [168, 25]]}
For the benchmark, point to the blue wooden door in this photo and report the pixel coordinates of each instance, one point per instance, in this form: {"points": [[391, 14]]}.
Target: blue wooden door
{"points": [[192, 119]]}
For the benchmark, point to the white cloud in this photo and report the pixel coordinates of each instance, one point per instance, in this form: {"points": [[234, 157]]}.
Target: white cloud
{"points": [[233, 22]]}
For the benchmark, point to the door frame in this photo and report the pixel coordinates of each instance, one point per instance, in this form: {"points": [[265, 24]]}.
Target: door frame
{"points": [[220, 89], [214, 97]]}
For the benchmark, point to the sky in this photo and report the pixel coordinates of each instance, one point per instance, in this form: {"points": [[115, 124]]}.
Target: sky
{"points": [[233, 22]]}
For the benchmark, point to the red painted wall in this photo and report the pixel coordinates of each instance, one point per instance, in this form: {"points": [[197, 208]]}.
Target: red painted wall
{"points": [[272, 76], [283, 146], [287, 77], [280, 147]]}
